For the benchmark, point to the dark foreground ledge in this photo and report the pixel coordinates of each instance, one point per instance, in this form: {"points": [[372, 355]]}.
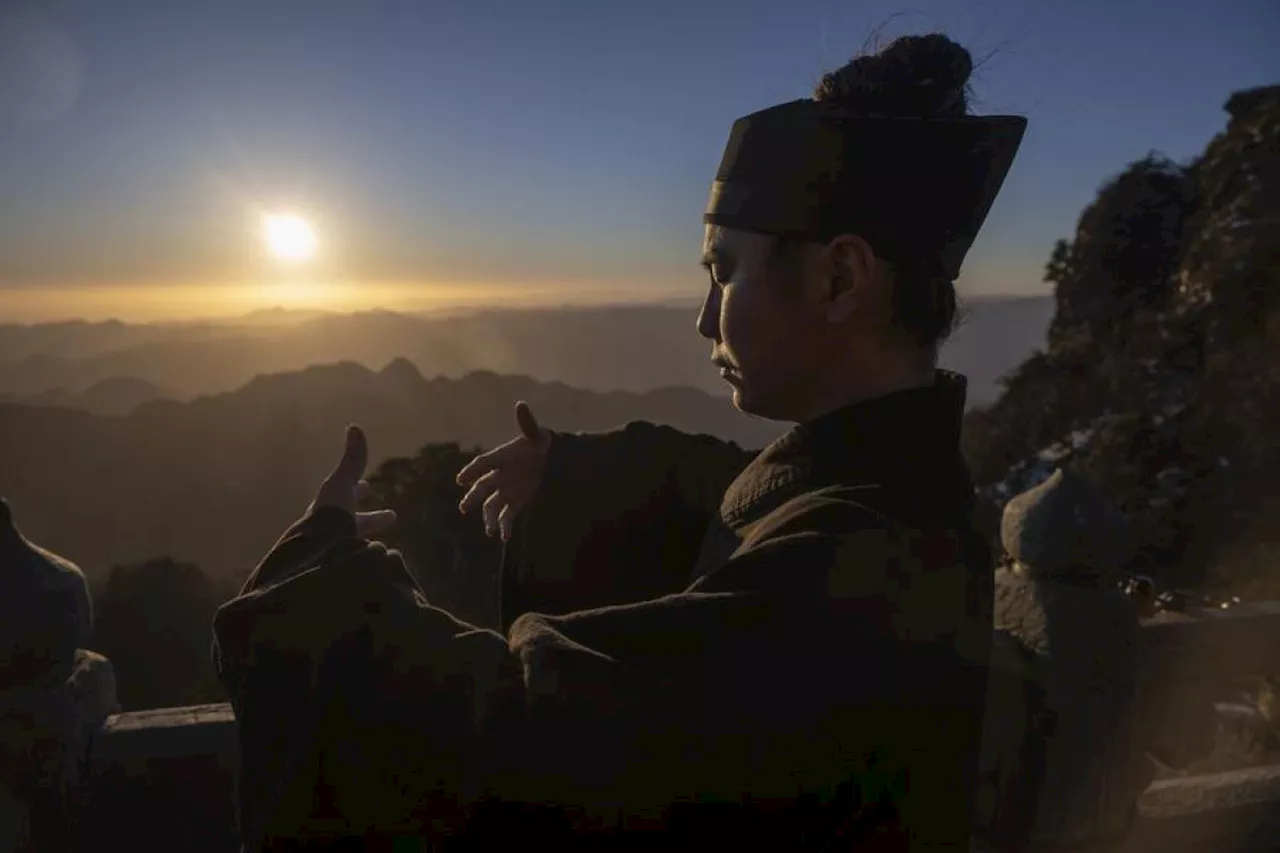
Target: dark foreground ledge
{"points": [[1233, 812], [164, 780]]}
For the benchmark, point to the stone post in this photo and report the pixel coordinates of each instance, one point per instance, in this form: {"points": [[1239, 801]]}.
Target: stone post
{"points": [[54, 693], [1065, 757]]}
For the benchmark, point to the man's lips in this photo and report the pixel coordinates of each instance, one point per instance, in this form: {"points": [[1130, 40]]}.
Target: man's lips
{"points": [[727, 371]]}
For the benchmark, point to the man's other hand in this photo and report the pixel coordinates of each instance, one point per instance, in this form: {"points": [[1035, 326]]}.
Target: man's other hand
{"points": [[504, 480], [345, 487]]}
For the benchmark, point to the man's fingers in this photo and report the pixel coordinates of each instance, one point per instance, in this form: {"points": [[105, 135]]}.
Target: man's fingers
{"points": [[506, 520], [525, 420], [355, 457], [492, 506], [478, 492], [478, 467], [485, 463], [375, 522], [363, 490]]}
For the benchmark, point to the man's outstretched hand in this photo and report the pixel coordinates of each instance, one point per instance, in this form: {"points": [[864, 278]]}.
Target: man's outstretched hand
{"points": [[345, 487], [504, 480]]}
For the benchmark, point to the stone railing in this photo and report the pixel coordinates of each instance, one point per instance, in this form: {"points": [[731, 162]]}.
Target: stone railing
{"points": [[1195, 655], [164, 779]]}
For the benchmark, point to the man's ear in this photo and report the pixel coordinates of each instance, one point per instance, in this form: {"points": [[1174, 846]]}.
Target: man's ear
{"points": [[851, 267]]}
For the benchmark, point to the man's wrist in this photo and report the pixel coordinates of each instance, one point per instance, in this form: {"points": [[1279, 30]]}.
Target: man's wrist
{"points": [[338, 522]]}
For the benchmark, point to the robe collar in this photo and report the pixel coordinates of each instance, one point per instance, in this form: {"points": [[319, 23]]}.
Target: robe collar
{"points": [[903, 439]]}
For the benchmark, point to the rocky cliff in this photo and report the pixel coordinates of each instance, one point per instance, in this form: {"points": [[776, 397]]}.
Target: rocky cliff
{"points": [[1161, 378]]}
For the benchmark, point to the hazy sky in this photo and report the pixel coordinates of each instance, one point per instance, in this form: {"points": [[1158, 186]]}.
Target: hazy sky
{"points": [[498, 149]]}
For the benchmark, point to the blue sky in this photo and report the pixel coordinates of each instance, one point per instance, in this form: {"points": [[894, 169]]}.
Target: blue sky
{"points": [[529, 144]]}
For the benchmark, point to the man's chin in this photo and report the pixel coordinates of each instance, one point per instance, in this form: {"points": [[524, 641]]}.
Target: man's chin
{"points": [[744, 402], [752, 404]]}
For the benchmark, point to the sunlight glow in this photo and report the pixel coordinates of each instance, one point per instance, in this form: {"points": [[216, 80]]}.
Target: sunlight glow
{"points": [[189, 301], [289, 237], [303, 295]]}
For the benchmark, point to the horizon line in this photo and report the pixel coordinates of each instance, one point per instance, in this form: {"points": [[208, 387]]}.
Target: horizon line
{"points": [[302, 314]]}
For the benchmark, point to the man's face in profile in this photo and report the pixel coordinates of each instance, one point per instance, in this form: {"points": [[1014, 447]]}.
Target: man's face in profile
{"points": [[771, 338]]}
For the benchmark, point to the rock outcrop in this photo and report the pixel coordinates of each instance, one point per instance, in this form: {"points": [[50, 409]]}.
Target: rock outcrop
{"points": [[54, 693], [1161, 380]]}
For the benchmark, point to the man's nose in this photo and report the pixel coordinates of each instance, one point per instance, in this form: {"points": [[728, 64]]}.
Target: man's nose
{"points": [[709, 316]]}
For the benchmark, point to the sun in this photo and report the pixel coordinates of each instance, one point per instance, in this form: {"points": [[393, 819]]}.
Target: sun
{"points": [[289, 237]]}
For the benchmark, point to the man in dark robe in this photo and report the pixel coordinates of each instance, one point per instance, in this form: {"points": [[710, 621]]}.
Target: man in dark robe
{"points": [[699, 645], [832, 643]]}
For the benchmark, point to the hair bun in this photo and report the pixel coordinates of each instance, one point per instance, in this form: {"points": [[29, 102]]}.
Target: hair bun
{"points": [[923, 76]]}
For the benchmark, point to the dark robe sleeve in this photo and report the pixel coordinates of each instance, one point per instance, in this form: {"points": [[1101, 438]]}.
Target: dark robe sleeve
{"points": [[619, 517], [358, 704], [836, 665], [820, 662]]}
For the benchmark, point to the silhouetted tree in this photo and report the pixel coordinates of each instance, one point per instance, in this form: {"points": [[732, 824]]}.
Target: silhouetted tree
{"points": [[1124, 254], [454, 562], [154, 622], [1058, 269]]}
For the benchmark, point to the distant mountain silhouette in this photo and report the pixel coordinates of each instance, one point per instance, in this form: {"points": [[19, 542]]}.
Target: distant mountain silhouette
{"points": [[633, 348], [80, 338], [116, 396], [214, 480], [279, 316], [992, 336]]}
